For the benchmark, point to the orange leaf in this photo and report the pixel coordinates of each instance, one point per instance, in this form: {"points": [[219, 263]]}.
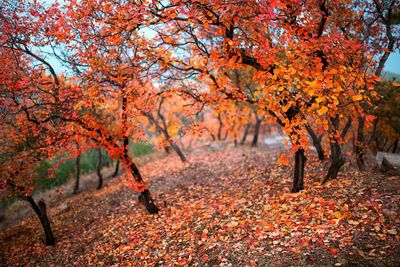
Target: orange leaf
{"points": [[283, 159], [322, 110], [357, 97], [334, 251]]}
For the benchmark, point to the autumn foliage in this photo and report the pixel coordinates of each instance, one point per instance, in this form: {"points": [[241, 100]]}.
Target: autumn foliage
{"points": [[107, 74]]}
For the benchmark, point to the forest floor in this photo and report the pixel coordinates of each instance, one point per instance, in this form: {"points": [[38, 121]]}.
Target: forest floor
{"points": [[226, 207]]}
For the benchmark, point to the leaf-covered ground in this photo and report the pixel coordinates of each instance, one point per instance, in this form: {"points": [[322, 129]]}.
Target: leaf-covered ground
{"points": [[225, 208]]}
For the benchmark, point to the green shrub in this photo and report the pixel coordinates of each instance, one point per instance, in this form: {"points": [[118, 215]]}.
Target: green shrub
{"points": [[66, 169], [140, 149]]}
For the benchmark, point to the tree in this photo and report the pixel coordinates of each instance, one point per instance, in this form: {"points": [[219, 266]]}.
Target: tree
{"points": [[74, 102], [382, 32], [385, 132], [113, 81], [166, 121], [306, 69], [24, 142]]}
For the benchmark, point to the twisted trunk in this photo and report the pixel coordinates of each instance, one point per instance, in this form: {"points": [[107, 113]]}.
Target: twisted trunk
{"points": [[145, 196], [316, 142], [337, 161], [40, 211]]}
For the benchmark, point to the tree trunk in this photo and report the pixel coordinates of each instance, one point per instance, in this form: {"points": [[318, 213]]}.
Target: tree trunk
{"points": [[164, 130], [316, 142], [226, 135], [145, 196], [382, 147], [360, 144], [372, 136], [116, 170], [220, 126], [78, 173], [256, 132], [396, 143], [245, 133], [40, 210], [298, 178], [212, 136], [235, 142], [337, 161], [98, 170], [177, 150]]}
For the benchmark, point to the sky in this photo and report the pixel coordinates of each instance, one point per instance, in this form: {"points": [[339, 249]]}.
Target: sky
{"points": [[393, 63]]}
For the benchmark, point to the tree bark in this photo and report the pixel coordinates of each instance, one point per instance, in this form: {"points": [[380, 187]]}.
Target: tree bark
{"points": [[98, 170], [245, 133], [337, 160], [220, 126], [116, 170], [316, 142], [177, 150], [145, 196], [235, 142], [78, 173], [164, 130], [395, 146], [298, 178], [226, 135], [256, 132], [360, 144], [40, 210]]}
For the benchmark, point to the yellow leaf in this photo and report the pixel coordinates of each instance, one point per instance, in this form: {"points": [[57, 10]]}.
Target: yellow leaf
{"points": [[396, 84], [357, 97], [337, 214], [313, 84], [322, 110]]}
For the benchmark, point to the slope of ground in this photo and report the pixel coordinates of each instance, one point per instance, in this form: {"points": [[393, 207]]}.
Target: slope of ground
{"points": [[225, 208]]}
